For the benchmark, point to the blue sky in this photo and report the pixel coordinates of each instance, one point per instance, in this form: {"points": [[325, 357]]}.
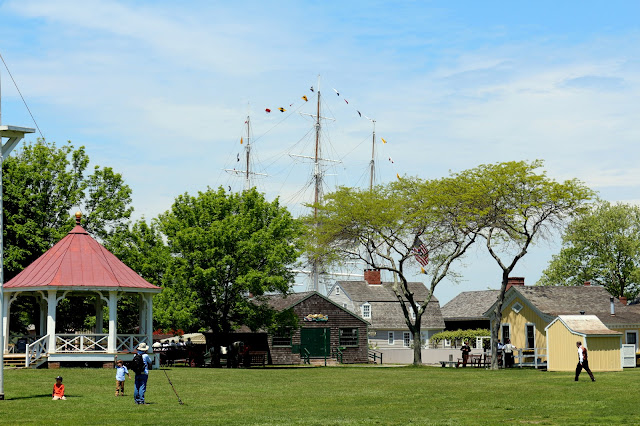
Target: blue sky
{"points": [[161, 91]]}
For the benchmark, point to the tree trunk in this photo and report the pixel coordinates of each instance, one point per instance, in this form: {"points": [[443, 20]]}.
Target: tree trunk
{"points": [[495, 330], [417, 346]]}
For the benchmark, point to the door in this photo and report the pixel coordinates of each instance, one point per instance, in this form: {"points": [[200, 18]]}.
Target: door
{"points": [[316, 340]]}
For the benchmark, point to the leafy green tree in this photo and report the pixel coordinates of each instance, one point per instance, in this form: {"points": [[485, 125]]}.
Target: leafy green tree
{"points": [[517, 206], [225, 248], [601, 245], [381, 227]]}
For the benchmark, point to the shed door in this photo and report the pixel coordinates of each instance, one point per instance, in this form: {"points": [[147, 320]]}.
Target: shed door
{"points": [[316, 340], [628, 355]]}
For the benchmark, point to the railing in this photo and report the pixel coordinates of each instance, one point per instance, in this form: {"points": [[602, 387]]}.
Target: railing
{"points": [[17, 343], [306, 355], [374, 355], [337, 354], [36, 350], [129, 342], [531, 357], [81, 342]]}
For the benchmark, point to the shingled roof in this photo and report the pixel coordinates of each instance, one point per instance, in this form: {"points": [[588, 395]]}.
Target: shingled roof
{"points": [[469, 305], [571, 300], [585, 324], [79, 261], [281, 302], [386, 312]]}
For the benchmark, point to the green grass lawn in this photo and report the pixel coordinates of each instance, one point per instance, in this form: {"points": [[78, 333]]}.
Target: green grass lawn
{"points": [[324, 396]]}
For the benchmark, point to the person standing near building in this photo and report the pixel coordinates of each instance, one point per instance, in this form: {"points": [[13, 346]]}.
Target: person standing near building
{"points": [[500, 354], [508, 353], [583, 362], [141, 365], [466, 350]]}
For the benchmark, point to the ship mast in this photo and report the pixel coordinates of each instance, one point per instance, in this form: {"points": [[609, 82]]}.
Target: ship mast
{"points": [[373, 153], [247, 173]]}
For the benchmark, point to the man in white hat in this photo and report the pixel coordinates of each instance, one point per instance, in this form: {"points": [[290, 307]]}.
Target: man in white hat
{"points": [[142, 375]]}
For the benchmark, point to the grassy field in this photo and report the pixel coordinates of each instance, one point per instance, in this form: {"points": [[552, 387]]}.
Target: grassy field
{"points": [[325, 396]]}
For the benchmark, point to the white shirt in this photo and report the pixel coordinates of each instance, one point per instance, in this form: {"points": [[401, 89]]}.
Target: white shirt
{"points": [[580, 354]]}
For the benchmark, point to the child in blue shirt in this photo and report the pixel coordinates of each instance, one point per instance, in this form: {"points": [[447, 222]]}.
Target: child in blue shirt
{"points": [[121, 370]]}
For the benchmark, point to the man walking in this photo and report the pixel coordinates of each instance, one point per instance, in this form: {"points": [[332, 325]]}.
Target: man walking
{"points": [[583, 362], [508, 354], [466, 350], [141, 366]]}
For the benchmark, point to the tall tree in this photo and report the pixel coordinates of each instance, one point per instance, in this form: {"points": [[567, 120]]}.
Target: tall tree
{"points": [[601, 245], [42, 185], [517, 206], [224, 248], [382, 227]]}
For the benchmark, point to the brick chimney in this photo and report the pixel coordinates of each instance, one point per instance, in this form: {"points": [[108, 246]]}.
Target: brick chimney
{"points": [[587, 283], [623, 300], [514, 281], [372, 276]]}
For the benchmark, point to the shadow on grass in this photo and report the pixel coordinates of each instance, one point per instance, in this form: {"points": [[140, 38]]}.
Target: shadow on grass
{"points": [[44, 395]]}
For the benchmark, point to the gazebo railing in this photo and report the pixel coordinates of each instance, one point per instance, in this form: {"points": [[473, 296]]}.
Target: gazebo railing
{"points": [[81, 342], [36, 350], [129, 342]]}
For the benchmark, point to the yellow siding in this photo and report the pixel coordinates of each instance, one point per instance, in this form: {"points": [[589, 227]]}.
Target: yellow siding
{"points": [[604, 353], [624, 329], [518, 322], [563, 353]]}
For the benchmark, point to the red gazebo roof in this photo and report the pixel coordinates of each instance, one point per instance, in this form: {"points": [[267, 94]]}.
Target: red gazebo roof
{"points": [[79, 261]]}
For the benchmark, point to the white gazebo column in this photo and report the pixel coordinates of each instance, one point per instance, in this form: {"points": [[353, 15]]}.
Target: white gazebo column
{"points": [[113, 322], [51, 319], [142, 314], [149, 312], [5, 321]]}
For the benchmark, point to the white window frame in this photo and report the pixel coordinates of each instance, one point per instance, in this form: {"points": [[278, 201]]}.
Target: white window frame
{"points": [[526, 335], [517, 307], [337, 292], [406, 339], [631, 332], [502, 339], [391, 338], [366, 310], [446, 343]]}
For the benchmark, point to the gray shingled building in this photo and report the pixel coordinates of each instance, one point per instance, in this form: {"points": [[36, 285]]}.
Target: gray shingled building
{"points": [[466, 310]]}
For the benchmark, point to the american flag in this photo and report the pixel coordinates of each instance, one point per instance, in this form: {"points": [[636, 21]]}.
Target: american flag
{"points": [[420, 252]]}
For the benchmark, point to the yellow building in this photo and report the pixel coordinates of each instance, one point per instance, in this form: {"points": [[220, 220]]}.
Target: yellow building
{"points": [[602, 343], [528, 310]]}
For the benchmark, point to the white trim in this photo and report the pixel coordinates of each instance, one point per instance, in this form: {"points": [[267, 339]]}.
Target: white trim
{"points": [[631, 332], [517, 307], [367, 314], [406, 344], [526, 336]]}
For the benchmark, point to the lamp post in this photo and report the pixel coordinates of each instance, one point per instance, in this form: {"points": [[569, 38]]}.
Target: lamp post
{"points": [[14, 134]]}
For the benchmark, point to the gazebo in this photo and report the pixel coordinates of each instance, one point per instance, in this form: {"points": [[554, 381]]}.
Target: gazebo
{"points": [[77, 266]]}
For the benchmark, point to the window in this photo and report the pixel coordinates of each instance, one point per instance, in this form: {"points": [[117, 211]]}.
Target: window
{"points": [[348, 337], [406, 339], [282, 338], [531, 336], [506, 332], [337, 290], [366, 310], [632, 338], [425, 339], [391, 337], [517, 307]]}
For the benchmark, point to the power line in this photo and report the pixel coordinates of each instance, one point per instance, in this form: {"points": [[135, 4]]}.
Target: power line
{"points": [[23, 100]]}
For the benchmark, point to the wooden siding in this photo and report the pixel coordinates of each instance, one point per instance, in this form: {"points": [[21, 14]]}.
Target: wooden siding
{"points": [[562, 353], [518, 322], [603, 351], [337, 318]]}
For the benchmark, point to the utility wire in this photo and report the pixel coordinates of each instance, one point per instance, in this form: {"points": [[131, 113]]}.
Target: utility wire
{"points": [[25, 102]]}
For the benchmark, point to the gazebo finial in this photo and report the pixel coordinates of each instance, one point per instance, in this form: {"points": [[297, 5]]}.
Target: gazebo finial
{"points": [[78, 217]]}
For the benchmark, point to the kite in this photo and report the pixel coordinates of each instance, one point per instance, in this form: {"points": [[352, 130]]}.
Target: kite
{"points": [[359, 113], [311, 88], [241, 138], [383, 141], [238, 157], [398, 176], [337, 93], [282, 109], [305, 98], [229, 188], [267, 110], [346, 101]]}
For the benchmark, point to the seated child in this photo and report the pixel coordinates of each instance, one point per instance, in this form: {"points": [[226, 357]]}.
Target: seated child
{"points": [[121, 370], [58, 389]]}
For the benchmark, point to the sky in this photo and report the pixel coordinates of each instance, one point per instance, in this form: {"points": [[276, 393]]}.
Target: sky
{"points": [[161, 91]]}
